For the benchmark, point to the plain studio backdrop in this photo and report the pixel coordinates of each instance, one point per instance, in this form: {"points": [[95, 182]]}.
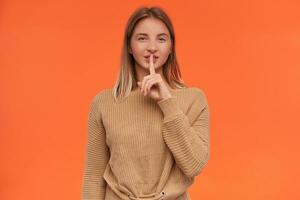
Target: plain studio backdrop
{"points": [[245, 55]]}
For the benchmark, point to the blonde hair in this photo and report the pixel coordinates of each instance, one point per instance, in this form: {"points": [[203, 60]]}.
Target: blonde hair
{"points": [[127, 79]]}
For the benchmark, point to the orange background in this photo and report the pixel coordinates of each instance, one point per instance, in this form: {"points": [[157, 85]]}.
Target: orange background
{"points": [[245, 55]]}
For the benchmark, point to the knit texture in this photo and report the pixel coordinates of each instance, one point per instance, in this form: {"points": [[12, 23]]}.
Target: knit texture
{"points": [[142, 149]]}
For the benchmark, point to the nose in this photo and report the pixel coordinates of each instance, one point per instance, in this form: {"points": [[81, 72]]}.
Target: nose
{"points": [[152, 47]]}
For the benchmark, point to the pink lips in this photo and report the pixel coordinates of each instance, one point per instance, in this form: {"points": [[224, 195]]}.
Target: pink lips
{"points": [[148, 56], [154, 59]]}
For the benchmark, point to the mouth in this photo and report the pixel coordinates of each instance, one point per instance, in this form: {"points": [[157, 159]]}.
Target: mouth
{"points": [[147, 58]]}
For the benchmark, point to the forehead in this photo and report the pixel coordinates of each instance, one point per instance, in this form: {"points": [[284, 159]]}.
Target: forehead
{"points": [[150, 26]]}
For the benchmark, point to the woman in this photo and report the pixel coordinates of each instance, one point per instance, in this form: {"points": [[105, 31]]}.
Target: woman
{"points": [[148, 136]]}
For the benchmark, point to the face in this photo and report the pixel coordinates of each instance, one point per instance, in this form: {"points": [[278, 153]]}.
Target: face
{"points": [[150, 36]]}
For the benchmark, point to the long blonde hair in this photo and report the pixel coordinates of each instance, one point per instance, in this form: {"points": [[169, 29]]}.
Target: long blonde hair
{"points": [[127, 79]]}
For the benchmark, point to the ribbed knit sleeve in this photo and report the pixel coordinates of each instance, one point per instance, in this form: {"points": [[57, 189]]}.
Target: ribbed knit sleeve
{"points": [[97, 156], [188, 141]]}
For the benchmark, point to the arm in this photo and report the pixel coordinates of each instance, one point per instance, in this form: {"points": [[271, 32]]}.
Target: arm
{"points": [[97, 156], [187, 137]]}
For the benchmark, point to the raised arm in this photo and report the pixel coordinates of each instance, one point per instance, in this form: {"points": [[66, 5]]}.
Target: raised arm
{"points": [[97, 156], [187, 136]]}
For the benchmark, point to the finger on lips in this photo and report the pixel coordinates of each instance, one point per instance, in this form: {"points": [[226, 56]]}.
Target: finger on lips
{"points": [[151, 67], [142, 85]]}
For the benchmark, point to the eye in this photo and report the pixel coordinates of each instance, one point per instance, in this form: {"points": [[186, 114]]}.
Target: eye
{"points": [[162, 39], [141, 38]]}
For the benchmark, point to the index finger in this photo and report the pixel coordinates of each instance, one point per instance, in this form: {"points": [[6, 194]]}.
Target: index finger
{"points": [[151, 65]]}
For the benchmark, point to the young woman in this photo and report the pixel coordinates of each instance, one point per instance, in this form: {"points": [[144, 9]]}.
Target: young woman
{"points": [[148, 136]]}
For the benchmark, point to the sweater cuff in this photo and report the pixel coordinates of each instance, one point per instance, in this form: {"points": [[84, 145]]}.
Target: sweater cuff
{"points": [[169, 106]]}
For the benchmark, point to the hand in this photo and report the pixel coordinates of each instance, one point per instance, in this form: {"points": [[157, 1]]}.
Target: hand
{"points": [[153, 84]]}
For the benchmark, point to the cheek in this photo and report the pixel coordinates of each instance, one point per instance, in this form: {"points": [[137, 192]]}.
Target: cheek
{"points": [[165, 49], [138, 48], [165, 52]]}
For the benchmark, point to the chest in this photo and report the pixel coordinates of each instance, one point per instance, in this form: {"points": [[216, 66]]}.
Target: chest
{"points": [[135, 127]]}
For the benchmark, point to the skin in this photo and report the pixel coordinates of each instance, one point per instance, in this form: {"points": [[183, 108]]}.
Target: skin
{"points": [[155, 40]]}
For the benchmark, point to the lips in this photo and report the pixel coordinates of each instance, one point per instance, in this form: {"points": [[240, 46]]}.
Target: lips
{"points": [[148, 56]]}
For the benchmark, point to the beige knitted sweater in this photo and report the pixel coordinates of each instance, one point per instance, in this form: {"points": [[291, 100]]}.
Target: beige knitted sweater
{"points": [[140, 149]]}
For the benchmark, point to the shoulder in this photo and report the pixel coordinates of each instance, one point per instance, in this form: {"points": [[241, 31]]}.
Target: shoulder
{"points": [[198, 92], [198, 95], [195, 92], [101, 94], [99, 98], [97, 103]]}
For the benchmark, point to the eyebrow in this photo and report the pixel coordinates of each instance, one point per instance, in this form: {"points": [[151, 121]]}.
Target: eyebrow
{"points": [[147, 34]]}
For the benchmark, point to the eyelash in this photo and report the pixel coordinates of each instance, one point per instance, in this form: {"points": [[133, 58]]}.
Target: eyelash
{"points": [[144, 38]]}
